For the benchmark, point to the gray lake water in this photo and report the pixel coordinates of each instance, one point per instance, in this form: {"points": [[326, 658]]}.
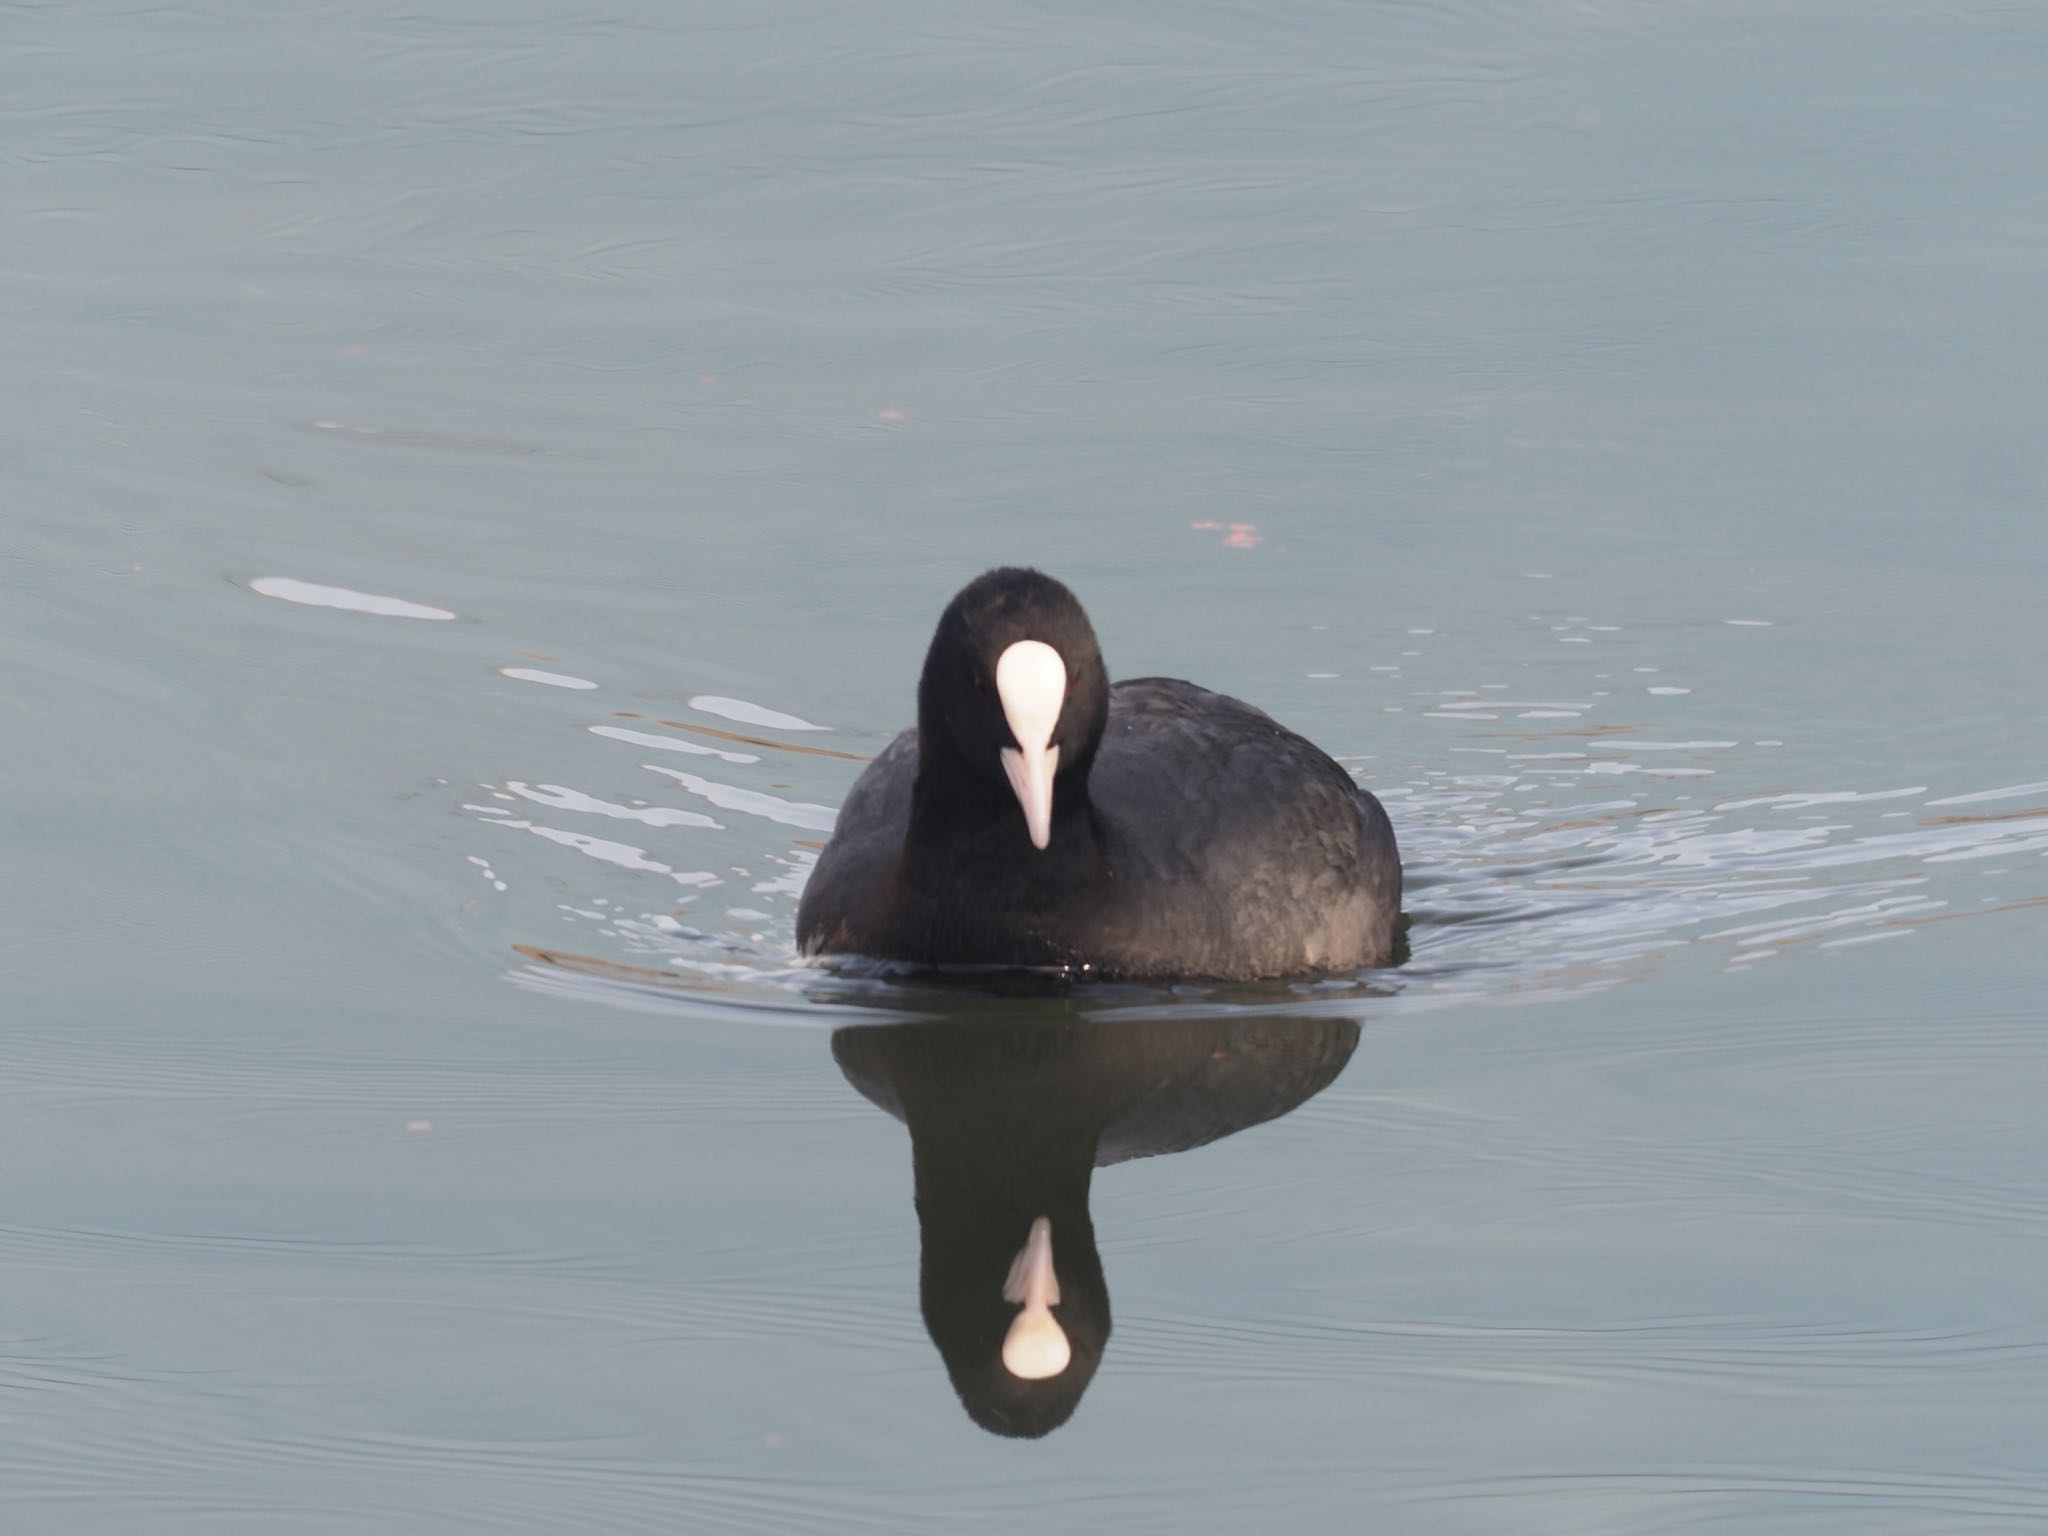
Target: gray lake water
{"points": [[1616, 431]]}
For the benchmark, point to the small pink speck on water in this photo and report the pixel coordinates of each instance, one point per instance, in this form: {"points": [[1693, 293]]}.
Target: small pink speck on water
{"points": [[1235, 535], [356, 349], [705, 380], [417, 1126], [892, 414]]}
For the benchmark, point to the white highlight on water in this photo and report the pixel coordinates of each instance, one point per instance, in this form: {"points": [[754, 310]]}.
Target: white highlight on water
{"points": [[751, 714], [730, 797], [625, 855], [670, 744], [560, 798], [312, 595], [2016, 792], [551, 679]]}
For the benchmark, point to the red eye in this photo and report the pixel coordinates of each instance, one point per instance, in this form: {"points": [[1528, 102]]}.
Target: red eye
{"points": [[981, 685]]}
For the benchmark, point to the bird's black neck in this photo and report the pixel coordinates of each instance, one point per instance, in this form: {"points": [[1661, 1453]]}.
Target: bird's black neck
{"points": [[960, 822]]}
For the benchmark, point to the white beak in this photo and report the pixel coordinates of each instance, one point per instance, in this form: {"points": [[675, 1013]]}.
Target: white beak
{"points": [[1036, 1346], [1031, 681]]}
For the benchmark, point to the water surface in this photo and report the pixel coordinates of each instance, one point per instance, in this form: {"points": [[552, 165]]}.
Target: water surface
{"points": [[478, 482]]}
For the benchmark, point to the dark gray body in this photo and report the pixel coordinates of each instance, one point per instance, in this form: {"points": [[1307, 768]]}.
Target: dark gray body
{"points": [[1208, 841]]}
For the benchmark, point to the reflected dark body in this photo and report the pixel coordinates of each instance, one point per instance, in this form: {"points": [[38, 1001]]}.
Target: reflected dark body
{"points": [[1192, 835], [1008, 1121]]}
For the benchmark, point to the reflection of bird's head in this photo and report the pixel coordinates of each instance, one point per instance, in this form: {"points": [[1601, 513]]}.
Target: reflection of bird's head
{"points": [[1021, 1326]]}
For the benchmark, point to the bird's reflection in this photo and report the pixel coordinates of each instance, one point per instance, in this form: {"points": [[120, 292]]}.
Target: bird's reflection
{"points": [[1009, 1118]]}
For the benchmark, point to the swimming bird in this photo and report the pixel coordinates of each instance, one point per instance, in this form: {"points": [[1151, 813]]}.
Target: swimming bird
{"points": [[1038, 815]]}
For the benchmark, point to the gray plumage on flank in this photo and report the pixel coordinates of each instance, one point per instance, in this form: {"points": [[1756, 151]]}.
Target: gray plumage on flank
{"points": [[1191, 834]]}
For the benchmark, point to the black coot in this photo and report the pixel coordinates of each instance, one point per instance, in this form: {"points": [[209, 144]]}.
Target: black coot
{"points": [[1038, 815]]}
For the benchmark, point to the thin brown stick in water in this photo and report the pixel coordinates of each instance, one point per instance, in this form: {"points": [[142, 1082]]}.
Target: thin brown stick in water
{"points": [[594, 965], [761, 741], [1958, 821]]}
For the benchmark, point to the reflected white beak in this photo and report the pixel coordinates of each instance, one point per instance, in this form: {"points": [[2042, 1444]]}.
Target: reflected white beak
{"points": [[1036, 1346], [1031, 681]]}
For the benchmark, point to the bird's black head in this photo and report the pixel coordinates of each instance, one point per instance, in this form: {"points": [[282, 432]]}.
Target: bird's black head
{"points": [[1014, 692]]}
